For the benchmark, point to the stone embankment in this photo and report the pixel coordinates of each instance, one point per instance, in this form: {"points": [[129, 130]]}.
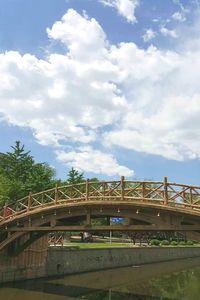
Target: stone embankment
{"points": [[63, 260]]}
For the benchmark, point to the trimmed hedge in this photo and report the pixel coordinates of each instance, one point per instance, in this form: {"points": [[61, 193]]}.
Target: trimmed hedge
{"points": [[189, 243], [164, 243], [154, 242], [174, 243], [182, 243]]}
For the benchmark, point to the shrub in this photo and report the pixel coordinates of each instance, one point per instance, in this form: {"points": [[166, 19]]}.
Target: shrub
{"points": [[189, 243], [182, 243], [195, 242], [155, 242], [174, 243], [165, 243]]}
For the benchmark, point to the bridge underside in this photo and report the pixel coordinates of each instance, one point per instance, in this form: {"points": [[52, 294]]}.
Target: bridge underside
{"points": [[20, 232]]}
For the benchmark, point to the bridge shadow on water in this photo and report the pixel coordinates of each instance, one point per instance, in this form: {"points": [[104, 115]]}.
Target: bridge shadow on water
{"points": [[147, 282], [78, 292]]}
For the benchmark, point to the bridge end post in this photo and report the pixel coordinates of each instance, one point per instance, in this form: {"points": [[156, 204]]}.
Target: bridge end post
{"points": [[165, 184]]}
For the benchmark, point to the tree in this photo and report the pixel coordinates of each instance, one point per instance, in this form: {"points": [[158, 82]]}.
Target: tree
{"points": [[75, 177], [16, 164], [20, 174], [4, 189]]}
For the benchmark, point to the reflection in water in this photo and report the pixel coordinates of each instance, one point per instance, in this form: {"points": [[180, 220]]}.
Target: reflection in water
{"points": [[169, 280]]}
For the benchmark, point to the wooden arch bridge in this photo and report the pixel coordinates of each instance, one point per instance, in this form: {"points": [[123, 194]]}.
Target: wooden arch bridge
{"points": [[144, 205]]}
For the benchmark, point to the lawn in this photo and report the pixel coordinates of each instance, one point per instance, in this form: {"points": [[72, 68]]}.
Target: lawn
{"points": [[97, 245]]}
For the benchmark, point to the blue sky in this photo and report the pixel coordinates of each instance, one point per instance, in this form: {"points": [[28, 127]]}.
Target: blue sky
{"points": [[107, 86]]}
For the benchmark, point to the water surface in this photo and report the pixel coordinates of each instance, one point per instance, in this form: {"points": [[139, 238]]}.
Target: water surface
{"points": [[169, 280]]}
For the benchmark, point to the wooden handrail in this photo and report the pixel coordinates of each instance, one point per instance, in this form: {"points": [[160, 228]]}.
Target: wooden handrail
{"points": [[122, 189]]}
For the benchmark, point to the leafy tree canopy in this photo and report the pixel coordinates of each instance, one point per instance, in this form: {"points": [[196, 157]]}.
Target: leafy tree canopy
{"points": [[20, 174]]}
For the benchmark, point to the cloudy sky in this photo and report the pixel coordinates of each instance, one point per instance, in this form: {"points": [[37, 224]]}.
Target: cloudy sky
{"points": [[111, 87]]}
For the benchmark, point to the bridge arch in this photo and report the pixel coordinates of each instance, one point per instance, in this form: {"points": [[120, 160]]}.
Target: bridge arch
{"points": [[145, 205]]}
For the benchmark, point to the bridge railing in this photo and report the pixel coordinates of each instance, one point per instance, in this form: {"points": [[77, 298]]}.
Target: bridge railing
{"points": [[156, 192]]}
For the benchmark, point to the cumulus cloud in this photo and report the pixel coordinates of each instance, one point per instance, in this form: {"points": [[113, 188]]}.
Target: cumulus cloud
{"points": [[95, 161], [179, 16], [63, 98], [141, 99], [163, 117], [168, 32], [125, 8], [149, 35]]}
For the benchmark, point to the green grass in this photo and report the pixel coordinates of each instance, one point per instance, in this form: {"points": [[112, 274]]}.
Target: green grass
{"points": [[97, 245]]}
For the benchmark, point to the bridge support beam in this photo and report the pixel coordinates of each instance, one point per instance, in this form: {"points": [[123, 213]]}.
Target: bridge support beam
{"points": [[88, 217], [107, 228]]}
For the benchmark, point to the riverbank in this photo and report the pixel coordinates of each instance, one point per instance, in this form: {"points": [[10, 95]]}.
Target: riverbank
{"points": [[64, 260]]}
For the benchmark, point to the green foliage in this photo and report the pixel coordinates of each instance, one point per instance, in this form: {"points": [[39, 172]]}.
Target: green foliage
{"points": [[174, 243], [190, 243], [94, 179], [182, 243], [195, 242], [20, 174], [154, 242], [74, 177], [100, 221], [4, 189], [164, 243]]}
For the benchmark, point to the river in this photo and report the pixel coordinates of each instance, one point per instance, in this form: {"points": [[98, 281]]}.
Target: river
{"points": [[168, 280]]}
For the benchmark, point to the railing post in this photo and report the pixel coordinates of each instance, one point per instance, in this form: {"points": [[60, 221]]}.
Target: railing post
{"points": [[103, 190], [184, 198], [29, 201], [143, 190], [56, 193], [191, 199], [122, 187], [87, 190], [165, 191]]}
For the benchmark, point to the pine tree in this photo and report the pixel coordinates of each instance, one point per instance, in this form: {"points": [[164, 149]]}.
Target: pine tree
{"points": [[20, 174], [74, 176]]}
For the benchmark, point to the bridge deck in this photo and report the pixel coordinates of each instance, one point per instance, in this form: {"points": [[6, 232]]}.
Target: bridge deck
{"points": [[163, 193]]}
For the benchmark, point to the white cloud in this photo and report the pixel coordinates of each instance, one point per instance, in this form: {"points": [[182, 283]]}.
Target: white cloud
{"points": [[95, 161], [63, 98], [84, 37], [149, 35], [140, 99], [125, 8], [179, 16], [163, 116], [182, 7], [168, 32]]}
